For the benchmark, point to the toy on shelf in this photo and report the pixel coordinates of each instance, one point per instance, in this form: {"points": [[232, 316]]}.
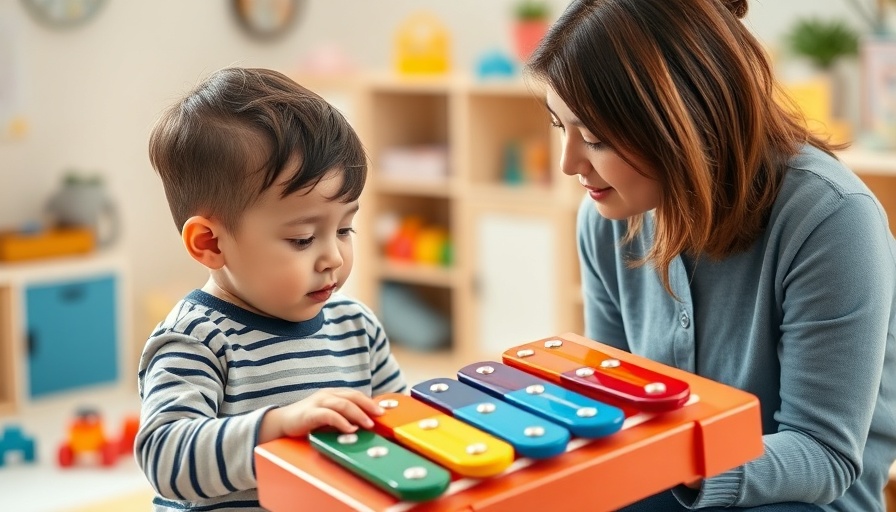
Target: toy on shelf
{"points": [[87, 437], [427, 162], [531, 22], [495, 64], [12, 440], [677, 427], [30, 243], [327, 60], [82, 202], [412, 240], [422, 46], [526, 161]]}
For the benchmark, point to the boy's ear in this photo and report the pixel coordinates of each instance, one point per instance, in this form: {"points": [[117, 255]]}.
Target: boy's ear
{"points": [[200, 237]]}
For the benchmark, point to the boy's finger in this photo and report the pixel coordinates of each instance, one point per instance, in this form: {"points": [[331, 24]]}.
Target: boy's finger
{"points": [[369, 405], [350, 410], [339, 422]]}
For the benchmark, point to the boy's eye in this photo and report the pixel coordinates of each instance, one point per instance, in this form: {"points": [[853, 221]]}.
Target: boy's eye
{"points": [[345, 231], [301, 243]]}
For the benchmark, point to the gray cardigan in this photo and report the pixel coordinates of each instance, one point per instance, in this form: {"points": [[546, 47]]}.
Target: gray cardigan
{"points": [[804, 319]]}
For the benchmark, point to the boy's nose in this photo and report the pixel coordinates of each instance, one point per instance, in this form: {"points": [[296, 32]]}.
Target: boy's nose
{"points": [[330, 258]]}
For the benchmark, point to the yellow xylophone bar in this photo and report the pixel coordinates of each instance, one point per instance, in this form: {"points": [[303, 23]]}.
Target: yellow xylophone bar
{"points": [[717, 429]]}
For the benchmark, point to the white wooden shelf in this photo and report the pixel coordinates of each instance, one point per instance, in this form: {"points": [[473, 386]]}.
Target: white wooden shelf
{"points": [[869, 162]]}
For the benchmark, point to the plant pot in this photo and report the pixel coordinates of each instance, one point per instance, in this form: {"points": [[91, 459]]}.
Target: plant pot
{"points": [[527, 35]]}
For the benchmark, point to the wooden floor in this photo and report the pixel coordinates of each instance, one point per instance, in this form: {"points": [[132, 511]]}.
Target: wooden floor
{"points": [[134, 502]]}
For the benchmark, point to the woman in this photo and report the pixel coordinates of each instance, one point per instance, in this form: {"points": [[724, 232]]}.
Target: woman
{"points": [[719, 236]]}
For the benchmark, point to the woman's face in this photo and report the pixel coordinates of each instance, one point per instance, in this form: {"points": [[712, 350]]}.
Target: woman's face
{"points": [[619, 191]]}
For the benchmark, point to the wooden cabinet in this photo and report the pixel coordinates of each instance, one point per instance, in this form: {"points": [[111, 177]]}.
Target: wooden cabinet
{"points": [[62, 326], [71, 334]]}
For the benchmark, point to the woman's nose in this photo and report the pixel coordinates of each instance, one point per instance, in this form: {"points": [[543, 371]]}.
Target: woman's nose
{"points": [[570, 158]]}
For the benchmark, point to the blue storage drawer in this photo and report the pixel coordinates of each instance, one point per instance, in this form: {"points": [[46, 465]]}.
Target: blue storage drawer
{"points": [[72, 332]]}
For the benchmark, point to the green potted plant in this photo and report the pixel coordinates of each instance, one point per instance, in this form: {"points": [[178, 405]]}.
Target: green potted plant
{"points": [[823, 42], [531, 21]]}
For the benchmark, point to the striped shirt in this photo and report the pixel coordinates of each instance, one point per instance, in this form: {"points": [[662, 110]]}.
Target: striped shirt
{"points": [[210, 372]]}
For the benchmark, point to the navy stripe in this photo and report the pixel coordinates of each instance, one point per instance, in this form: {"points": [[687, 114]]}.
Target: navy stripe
{"points": [[182, 408], [299, 355], [194, 478], [378, 343], [188, 357], [380, 366], [273, 340], [192, 372], [267, 392], [175, 468], [343, 318], [196, 322], [341, 336], [388, 379], [219, 457], [210, 336], [239, 332]]}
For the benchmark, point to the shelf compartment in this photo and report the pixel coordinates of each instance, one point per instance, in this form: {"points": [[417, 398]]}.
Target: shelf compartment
{"points": [[411, 273], [498, 121], [406, 119], [443, 188], [416, 317]]}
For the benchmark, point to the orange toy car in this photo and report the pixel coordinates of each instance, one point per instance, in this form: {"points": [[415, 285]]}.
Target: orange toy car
{"points": [[86, 436]]}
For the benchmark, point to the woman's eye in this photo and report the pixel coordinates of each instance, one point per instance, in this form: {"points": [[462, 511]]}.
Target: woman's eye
{"points": [[345, 231], [594, 145], [556, 124], [301, 243]]}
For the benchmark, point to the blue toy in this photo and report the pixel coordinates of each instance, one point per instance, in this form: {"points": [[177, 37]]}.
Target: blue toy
{"points": [[495, 64], [12, 439]]}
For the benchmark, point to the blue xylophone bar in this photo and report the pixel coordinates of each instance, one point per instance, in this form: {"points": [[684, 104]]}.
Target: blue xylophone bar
{"points": [[581, 415], [530, 435]]}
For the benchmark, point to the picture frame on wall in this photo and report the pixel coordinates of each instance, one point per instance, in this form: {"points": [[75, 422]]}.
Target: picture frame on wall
{"points": [[267, 19], [879, 91]]}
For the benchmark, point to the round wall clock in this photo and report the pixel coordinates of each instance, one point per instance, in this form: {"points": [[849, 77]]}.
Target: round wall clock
{"points": [[63, 13], [267, 19]]}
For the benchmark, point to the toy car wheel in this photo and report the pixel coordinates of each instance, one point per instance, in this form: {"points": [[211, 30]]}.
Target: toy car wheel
{"points": [[66, 456]]}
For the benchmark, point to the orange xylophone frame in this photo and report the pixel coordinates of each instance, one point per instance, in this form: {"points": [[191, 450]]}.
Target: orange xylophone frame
{"points": [[718, 429]]}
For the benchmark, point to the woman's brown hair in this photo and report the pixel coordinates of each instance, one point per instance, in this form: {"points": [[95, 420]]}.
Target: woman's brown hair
{"points": [[684, 86]]}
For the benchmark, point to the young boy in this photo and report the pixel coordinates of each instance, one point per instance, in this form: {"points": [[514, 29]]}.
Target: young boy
{"points": [[262, 177]]}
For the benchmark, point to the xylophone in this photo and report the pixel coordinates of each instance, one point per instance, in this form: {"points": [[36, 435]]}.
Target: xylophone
{"points": [[563, 423]]}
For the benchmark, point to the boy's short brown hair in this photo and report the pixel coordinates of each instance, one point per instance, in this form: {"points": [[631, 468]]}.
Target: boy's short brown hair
{"points": [[230, 139]]}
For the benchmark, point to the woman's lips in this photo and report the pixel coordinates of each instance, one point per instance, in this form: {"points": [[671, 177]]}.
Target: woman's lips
{"points": [[598, 194]]}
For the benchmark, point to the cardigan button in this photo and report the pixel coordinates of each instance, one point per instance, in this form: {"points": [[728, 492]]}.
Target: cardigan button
{"points": [[684, 319]]}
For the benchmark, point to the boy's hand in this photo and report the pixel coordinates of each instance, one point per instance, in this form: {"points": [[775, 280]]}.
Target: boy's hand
{"points": [[342, 409]]}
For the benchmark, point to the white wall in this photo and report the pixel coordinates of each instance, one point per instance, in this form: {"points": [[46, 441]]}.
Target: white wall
{"points": [[92, 93]]}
